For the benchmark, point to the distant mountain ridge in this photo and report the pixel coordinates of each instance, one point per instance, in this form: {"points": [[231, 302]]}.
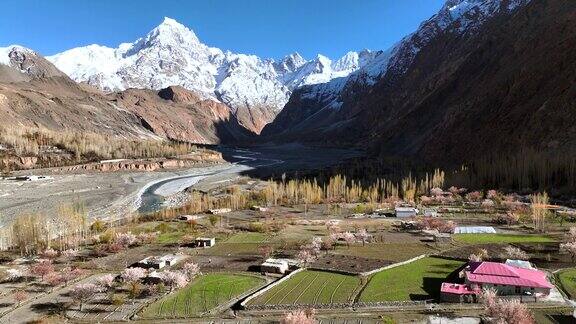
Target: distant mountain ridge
{"points": [[171, 54]]}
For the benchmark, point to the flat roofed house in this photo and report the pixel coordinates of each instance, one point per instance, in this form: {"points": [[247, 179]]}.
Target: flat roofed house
{"points": [[406, 211], [274, 266], [152, 262], [219, 211], [158, 262], [205, 242]]}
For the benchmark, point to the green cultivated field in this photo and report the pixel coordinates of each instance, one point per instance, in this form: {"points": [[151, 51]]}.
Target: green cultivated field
{"points": [[501, 238], [567, 280], [311, 287], [418, 280], [247, 237], [203, 294]]}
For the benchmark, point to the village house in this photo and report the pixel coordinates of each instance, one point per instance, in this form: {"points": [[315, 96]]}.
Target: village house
{"points": [[155, 262], [190, 217], [504, 278], [435, 236], [204, 242], [274, 266], [406, 211], [259, 208]]}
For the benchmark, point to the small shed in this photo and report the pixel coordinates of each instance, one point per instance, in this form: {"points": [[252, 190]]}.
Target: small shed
{"points": [[190, 217], [406, 211], [259, 208], [474, 230], [204, 242], [274, 266], [218, 211], [430, 213]]}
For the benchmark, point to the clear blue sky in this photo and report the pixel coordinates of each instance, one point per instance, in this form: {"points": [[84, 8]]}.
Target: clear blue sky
{"points": [[268, 28]]}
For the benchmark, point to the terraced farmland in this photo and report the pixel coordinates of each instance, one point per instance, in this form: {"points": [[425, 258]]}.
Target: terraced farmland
{"points": [[202, 295], [418, 280], [311, 287]]}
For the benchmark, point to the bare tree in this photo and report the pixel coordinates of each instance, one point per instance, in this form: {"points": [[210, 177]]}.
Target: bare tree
{"points": [[539, 208], [83, 292]]}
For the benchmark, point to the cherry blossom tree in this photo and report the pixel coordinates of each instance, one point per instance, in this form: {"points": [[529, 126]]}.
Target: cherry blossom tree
{"points": [[349, 238], [105, 282], [265, 251], [516, 253], [327, 243], [49, 253], [572, 234], [53, 279], [147, 238], [505, 311], [69, 254], [68, 274], [42, 268], [132, 276], [83, 292], [173, 279], [19, 296], [125, 239], [570, 248], [474, 196], [191, 270], [299, 317], [316, 245], [362, 235], [436, 192], [305, 256]]}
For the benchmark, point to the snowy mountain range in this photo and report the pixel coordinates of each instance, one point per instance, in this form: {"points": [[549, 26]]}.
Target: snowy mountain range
{"points": [[171, 54], [456, 16]]}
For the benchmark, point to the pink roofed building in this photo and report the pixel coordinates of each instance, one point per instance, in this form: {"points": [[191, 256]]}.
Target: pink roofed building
{"points": [[505, 279]]}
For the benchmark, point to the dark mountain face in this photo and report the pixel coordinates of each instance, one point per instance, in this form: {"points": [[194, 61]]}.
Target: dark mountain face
{"points": [[508, 87], [505, 86]]}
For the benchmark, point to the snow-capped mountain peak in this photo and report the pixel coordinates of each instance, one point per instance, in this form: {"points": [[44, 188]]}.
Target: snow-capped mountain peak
{"points": [[290, 63], [172, 54], [168, 33]]}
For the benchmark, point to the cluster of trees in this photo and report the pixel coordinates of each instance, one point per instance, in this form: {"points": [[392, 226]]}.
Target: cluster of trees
{"points": [[31, 234], [527, 169], [44, 270], [87, 146], [132, 278], [339, 188]]}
